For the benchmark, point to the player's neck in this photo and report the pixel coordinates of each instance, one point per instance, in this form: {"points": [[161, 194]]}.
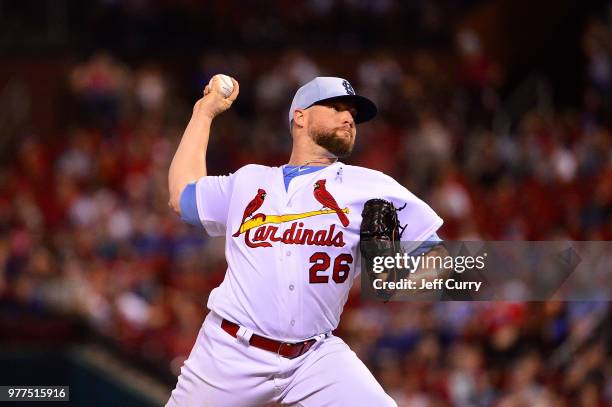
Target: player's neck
{"points": [[305, 153], [311, 159]]}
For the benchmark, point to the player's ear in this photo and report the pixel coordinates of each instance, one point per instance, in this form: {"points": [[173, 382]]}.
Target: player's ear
{"points": [[299, 117]]}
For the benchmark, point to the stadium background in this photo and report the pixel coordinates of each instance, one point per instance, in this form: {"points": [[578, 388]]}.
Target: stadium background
{"points": [[497, 113]]}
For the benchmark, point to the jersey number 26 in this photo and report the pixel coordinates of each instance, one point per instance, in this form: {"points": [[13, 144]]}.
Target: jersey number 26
{"points": [[321, 262]]}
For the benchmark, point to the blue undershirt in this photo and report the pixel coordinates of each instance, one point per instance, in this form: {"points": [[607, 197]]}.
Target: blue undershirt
{"points": [[292, 171], [189, 206]]}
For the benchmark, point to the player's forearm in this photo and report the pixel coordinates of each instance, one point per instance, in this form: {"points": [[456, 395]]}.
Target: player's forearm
{"points": [[189, 162], [419, 277], [428, 274]]}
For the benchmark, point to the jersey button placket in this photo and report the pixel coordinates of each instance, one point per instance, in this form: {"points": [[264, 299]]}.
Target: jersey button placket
{"points": [[290, 270], [282, 278]]}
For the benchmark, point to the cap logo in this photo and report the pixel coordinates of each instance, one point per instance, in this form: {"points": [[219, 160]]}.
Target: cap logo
{"points": [[347, 86]]}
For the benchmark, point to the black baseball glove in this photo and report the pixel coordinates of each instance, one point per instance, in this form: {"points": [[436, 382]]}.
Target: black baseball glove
{"points": [[380, 235]]}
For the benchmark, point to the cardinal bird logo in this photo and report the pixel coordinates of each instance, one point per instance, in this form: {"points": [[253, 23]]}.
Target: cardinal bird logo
{"points": [[322, 195], [252, 207]]}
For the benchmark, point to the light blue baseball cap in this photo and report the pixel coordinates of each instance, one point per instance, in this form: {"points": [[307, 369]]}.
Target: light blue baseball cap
{"points": [[324, 88]]}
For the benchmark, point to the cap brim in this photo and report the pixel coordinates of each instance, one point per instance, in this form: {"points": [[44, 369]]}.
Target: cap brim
{"points": [[366, 109]]}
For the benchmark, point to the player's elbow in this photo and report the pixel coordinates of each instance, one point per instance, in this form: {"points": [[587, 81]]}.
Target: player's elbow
{"points": [[175, 199], [175, 206]]}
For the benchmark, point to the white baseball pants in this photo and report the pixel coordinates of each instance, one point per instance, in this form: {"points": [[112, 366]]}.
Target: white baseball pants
{"points": [[224, 371]]}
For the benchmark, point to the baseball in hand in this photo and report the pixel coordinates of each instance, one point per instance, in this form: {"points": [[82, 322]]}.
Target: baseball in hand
{"points": [[222, 83]]}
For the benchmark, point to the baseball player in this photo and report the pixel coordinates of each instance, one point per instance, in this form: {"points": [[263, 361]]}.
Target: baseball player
{"points": [[292, 249]]}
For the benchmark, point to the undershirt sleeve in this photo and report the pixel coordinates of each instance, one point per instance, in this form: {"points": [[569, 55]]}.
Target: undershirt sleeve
{"points": [[189, 206]]}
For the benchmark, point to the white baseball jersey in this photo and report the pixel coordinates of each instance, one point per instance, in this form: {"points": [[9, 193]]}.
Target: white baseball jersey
{"points": [[293, 254]]}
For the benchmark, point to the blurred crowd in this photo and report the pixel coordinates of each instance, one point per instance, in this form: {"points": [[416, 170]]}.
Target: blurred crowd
{"points": [[86, 230], [140, 28], [486, 354]]}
